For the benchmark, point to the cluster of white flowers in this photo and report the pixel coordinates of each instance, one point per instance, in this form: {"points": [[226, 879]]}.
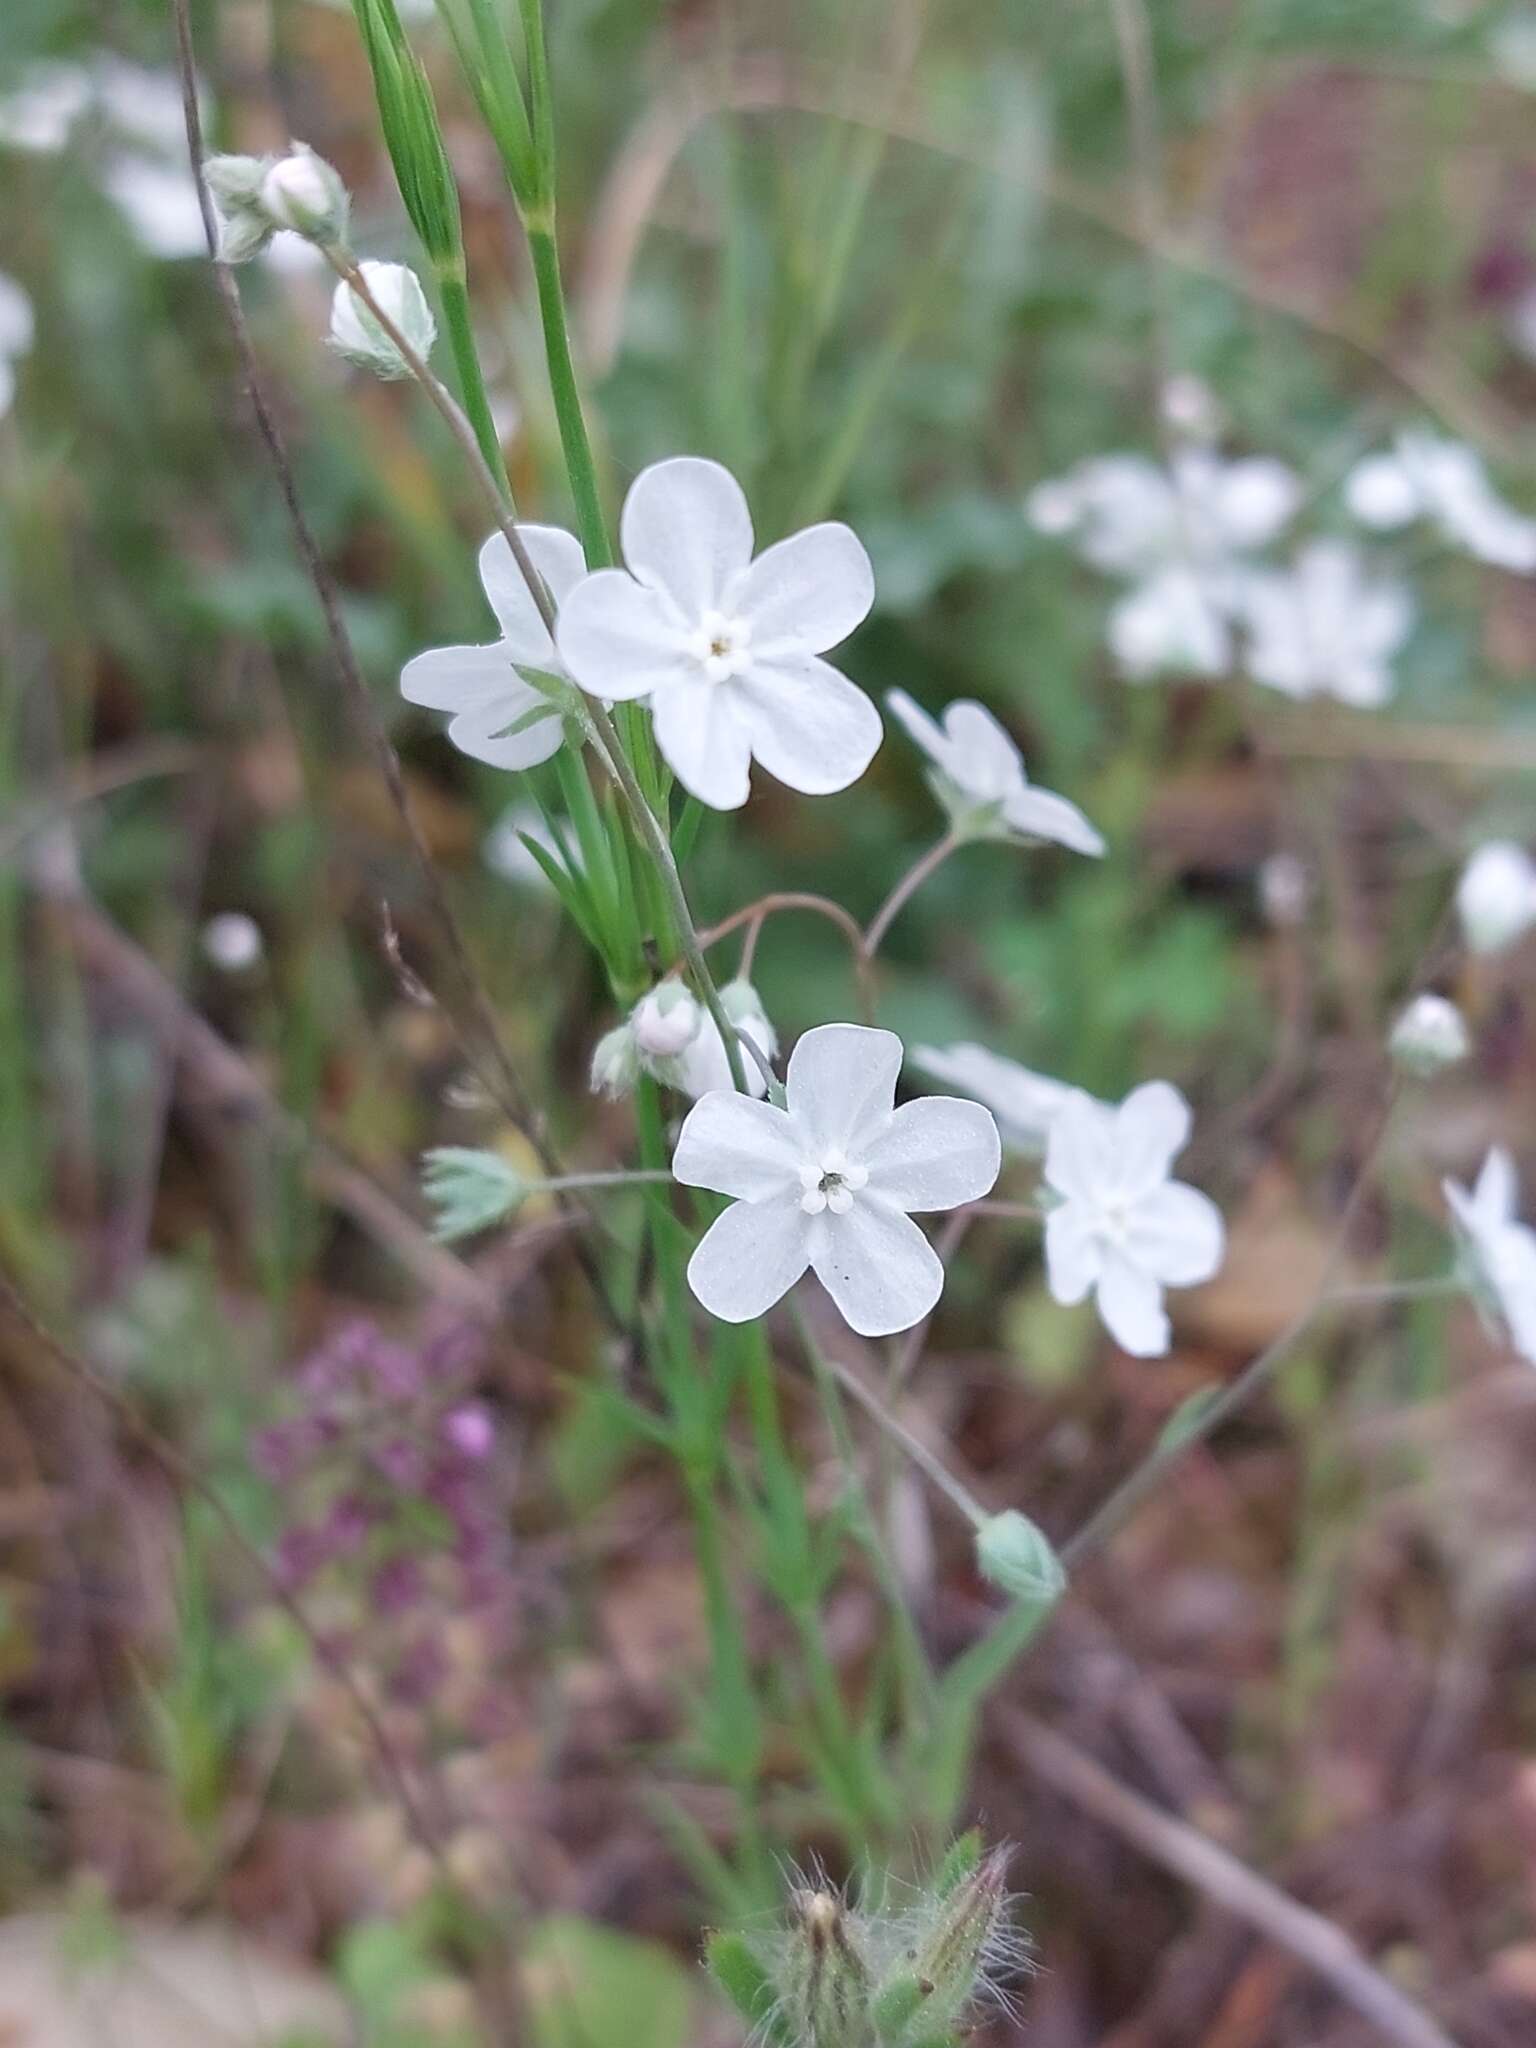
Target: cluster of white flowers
{"points": [[1500, 1251], [672, 1037]]}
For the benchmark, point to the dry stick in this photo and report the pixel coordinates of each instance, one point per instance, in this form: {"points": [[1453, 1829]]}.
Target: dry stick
{"points": [[1315, 1941], [180, 1469], [505, 1085], [596, 721]]}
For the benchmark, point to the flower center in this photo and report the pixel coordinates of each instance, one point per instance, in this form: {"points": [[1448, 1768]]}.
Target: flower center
{"points": [[830, 1182], [722, 645]]}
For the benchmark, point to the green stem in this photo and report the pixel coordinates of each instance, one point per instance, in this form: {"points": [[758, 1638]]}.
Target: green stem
{"points": [[466, 363], [575, 442]]}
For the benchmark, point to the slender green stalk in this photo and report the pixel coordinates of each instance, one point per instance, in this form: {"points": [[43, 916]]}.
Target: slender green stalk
{"points": [[466, 363], [575, 441]]}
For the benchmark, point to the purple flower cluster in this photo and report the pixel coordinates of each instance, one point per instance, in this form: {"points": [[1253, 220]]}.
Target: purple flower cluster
{"points": [[395, 1499]]}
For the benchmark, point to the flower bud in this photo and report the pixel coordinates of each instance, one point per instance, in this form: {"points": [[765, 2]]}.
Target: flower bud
{"points": [[234, 183], [1430, 1034], [302, 192], [825, 1980], [357, 335], [960, 1947], [615, 1063], [1015, 1556], [665, 1021], [470, 1190], [1496, 897]]}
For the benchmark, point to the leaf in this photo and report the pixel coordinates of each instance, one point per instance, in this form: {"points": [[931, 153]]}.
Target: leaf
{"points": [[1186, 1420], [589, 1986]]}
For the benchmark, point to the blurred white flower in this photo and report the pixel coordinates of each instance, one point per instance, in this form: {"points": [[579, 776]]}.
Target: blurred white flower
{"points": [[160, 204], [506, 854], [1189, 406], [356, 333], [1500, 1250], [499, 716], [980, 778], [1325, 627], [1428, 477], [1496, 896], [1430, 1034], [1183, 536], [1121, 1228], [829, 1182], [143, 105], [38, 114], [726, 648], [16, 330], [232, 941], [1285, 889], [1025, 1104], [1512, 46]]}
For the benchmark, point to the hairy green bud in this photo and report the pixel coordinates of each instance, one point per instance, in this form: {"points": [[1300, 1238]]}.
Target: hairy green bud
{"points": [[469, 1189], [1015, 1556]]}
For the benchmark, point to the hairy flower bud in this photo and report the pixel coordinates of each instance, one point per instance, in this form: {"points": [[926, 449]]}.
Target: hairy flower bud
{"points": [[826, 1979], [357, 335], [665, 1021], [302, 192], [234, 183], [960, 1944], [470, 1190], [615, 1063], [1015, 1556], [1430, 1034]]}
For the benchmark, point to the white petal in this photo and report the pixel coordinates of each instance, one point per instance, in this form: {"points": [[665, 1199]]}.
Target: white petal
{"points": [[877, 1266], [686, 530], [810, 590], [453, 678], [1382, 493], [1176, 1233], [1073, 1259], [1131, 1305], [704, 739], [482, 730], [841, 1080], [1025, 1104], [1497, 1193], [810, 726], [749, 1258], [558, 558], [935, 1154], [1041, 814], [927, 732], [618, 639], [1151, 1129], [1512, 1271], [1082, 1151], [1256, 497], [983, 757], [738, 1147]]}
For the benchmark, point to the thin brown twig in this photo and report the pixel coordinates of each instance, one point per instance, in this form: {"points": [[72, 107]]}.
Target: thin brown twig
{"points": [[753, 914], [1322, 1946], [907, 888]]}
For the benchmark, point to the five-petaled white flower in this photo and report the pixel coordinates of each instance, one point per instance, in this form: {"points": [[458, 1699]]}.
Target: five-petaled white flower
{"points": [[1428, 477], [499, 716], [980, 778], [1120, 1226], [726, 648], [1501, 1250], [1025, 1104], [1325, 627], [829, 1182], [1181, 536]]}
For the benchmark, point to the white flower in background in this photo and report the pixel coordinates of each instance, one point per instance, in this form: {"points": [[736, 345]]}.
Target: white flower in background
{"points": [[1189, 406], [499, 715], [726, 648], [1025, 1104], [1430, 1034], [1428, 477], [1496, 896], [829, 1183], [1500, 1250], [1182, 536], [160, 203], [16, 330], [505, 851], [232, 942], [1120, 1227], [356, 333], [980, 778], [1325, 627], [1512, 46], [40, 112], [1285, 889]]}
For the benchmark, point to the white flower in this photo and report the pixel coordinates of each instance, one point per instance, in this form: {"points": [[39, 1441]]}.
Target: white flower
{"points": [[726, 648], [981, 780], [1512, 46], [1496, 896], [160, 203], [1025, 1104], [303, 192], [357, 335], [505, 851], [232, 941], [16, 329], [1430, 1034], [1501, 1250], [1325, 627], [1285, 889], [1428, 477], [43, 108], [1181, 535], [499, 716], [1121, 1227], [830, 1181]]}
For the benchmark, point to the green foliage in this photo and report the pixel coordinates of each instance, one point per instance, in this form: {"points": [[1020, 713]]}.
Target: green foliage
{"points": [[587, 1983]]}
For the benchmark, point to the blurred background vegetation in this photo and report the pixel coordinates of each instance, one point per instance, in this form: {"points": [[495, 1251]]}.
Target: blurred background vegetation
{"points": [[890, 260]]}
